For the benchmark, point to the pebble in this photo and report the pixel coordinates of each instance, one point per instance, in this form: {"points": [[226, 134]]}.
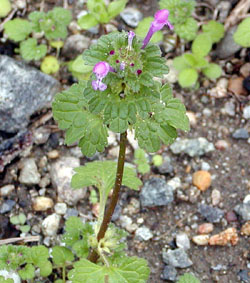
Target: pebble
{"points": [[216, 197], [61, 172], [45, 181], [10, 274], [220, 90], [222, 145], [243, 210], [42, 203], [205, 228], [169, 273], [244, 275], [6, 190], [202, 180], [222, 239], [192, 118], [50, 224], [131, 16], [143, 234], [7, 206], [236, 86], [177, 258], [241, 134], [175, 183], [53, 154], [210, 213], [201, 240], [60, 208], [71, 212], [192, 147], [229, 108], [245, 229], [205, 166], [125, 222], [246, 112], [193, 194], [182, 241], [156, 192], [166, 167], [74, 45], [41, 135], [29, 174]]}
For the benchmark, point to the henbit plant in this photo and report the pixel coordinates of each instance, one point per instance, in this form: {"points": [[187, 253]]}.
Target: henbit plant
{"points": [[190, 64], [51, 25], [188, 278], [181, 17], [141, 160], [121, 95], [100, 13], [242, 34]]}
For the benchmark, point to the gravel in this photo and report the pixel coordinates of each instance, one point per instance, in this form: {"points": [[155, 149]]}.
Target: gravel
{"points": [[169, 273], [131, 16], [177, 258], [143, 234], [29, 174], [241, 134], [210, 213]]}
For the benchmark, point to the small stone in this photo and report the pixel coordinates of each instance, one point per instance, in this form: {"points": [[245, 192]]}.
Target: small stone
{"points": [[156, 192], [74, 45], [222, 239], [125, 221], [220, 90], [7, 206], [205, 166], [201, 240], [6, 190], [243, 210], [205, 228], [29, 174], [182, 241], [10, 274], [166, 167], [246, 112], [202, 180], [169, 273], [60, 208], [244, 275], [215, 196], [231, 216], [235, 85], [192, 118], [245, 70], [193, 194], [229, 108], [143, 234], [192, 147], [61, 172], [241, 134], [222, 145], [207, 112], [45, 181], [71, 212], [41, 135], [245, 229], [50, 224], [175, 183], [53, 154], [42, 203], [131, 16], [177, 258], [210, 213]]}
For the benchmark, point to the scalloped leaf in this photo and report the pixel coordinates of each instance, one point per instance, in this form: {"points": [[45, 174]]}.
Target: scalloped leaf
{"points": [[202, 45], [188, 278], [116, 7], [187, 30], [29, 50], [87, 21], [215, 30], [242, 34], [17, 29], [212, 71], [188, 77]]}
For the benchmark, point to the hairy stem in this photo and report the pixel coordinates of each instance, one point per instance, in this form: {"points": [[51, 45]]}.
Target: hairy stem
{"points": [[93, 256]]}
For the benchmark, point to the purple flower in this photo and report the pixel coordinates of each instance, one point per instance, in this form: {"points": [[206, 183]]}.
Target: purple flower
{"points": [[139, 72], [131, 35], [101, 70], [161, 19], [112, 52], [122, 66]]}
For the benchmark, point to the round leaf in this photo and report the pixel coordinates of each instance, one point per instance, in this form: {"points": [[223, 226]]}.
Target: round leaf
{"points": [[116, 7], [31, 51], [17, 29], [87, 21], [202, 45], [187, 30], [50, 65], [5, 8], [242, 34], [188, 77], [143, 28], [180, 63], [212, 71], [215, 30]]}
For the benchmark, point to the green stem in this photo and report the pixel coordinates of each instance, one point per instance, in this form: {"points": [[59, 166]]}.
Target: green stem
{"points": [[64, 274], [93, 256]]}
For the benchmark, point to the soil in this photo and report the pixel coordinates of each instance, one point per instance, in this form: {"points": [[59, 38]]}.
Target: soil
{"points": [[229, 169]]}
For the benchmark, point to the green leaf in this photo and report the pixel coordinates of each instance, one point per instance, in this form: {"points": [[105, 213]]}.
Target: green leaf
{"points": [[50, 65], [61, 255], [25, 228], [242, 34], [17, 29], [141, 161], [29, 50], [187, 30], [61, 15], [87, 21], [188, 77], [28, 272], [129, 269], [73, 228], [3, 280], [215, 30], [116, 7], [212, 71], [18, 219], [38, 255], [188, 278], [157, 160], [143, 28], [180, 63], [5, 8], [202, 45], [98, 9], [45, 268], [79, 66]]}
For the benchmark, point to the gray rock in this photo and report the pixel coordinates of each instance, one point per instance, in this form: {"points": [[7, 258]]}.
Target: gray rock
{"points": [[156, 192], [60, 208], [169, 273], [24, 90], [29, 174], [166, 167], [61, 172], [182, 241], [75, 45], [210, 213], [131, 16], [10, 274], [244, 275], [143, 233], [243, 210], [241, 134], [175, 183], [50, 224], [7, 206], [192, 147], [71, 212], [177, 258], [227, 47], [246, 112]]}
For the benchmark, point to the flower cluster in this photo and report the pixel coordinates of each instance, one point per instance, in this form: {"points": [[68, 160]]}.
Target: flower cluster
{"points": [[101, 69]]}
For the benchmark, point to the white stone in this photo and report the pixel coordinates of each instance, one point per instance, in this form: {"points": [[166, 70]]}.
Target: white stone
{"points": [[132, 140], [205, 166], [216, 197], [61, 208], [174, 183], [201, 240], [143, 234], [50, 224], [29, 174], [10, 274], [6, 190], [246, 112], [182, 241]]}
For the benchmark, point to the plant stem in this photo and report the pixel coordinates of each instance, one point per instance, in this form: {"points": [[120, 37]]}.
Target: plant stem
{"points": [[93, 256]]}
